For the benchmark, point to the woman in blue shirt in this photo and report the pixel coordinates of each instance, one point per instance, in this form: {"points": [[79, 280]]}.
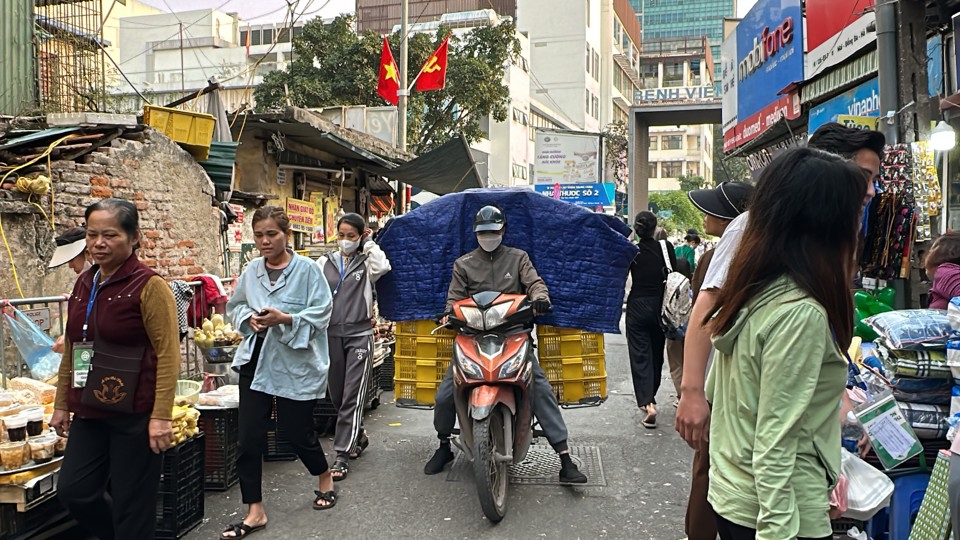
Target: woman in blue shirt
{"points": [[282, 307]]}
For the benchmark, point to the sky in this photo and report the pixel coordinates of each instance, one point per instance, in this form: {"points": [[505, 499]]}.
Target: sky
{"points": [[262, 11]]}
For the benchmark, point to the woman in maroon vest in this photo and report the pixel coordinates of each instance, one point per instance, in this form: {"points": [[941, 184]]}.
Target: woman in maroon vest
{"points": [[117, 378]]}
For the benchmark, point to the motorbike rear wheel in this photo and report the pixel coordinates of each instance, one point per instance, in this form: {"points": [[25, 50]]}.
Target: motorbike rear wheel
{"points": [[491, 476]]}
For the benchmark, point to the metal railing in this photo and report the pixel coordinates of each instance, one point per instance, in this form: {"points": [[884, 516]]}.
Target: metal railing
{"points": [[49, 313]]}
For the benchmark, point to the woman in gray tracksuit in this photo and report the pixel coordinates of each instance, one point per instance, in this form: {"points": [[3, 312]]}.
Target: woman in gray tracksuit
{"points": [[351, 273]]}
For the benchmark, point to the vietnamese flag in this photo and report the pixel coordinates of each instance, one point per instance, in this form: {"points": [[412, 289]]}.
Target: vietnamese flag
{"points": [[433, 75], [388, 82]]}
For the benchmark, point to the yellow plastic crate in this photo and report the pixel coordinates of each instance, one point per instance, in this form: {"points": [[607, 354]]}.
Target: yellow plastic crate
{"points": [[194, 131], [422, 393], [421, 328], [574, 368], [544, 330], [429, 370], [428, 347], [581, 391], [562, 346]]}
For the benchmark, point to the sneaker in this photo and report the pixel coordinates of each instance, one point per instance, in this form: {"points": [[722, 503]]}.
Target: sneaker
{"points": [[570, 474], [439, 461]]}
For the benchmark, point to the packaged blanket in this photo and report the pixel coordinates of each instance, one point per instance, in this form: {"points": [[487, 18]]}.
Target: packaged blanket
{"points": [[928, 421], [930, 364], [913, 329], [583, 257]]}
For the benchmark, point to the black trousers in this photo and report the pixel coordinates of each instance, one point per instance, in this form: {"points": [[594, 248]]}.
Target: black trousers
{"points": [[114, 451], [732, 531], [645, 341], [295, 420], [351, 365]]}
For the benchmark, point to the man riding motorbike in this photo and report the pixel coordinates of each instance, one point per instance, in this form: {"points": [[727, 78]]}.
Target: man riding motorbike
{"points": [[495, 267]]}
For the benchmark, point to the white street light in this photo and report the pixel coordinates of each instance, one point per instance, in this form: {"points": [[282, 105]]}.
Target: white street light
{"points": [[943, 137]]}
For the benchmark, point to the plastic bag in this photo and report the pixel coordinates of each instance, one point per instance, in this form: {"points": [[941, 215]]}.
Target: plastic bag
{"points": [[868, 489], [35, 346], [912, 329]]}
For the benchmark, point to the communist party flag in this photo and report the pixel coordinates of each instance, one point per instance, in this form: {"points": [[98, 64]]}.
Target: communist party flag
{"points": [[433, 75], [388, 82]]}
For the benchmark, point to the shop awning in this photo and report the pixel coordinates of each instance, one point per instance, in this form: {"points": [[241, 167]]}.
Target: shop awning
{"points": [[448, 168]]}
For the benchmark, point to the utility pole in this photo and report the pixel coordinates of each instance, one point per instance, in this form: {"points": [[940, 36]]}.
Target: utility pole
{"points": [[888, 72], [402, 95]]}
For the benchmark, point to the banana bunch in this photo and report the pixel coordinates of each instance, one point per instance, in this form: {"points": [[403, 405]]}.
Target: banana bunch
{"points": [[39, 185], [184, 423], [214, 333]]}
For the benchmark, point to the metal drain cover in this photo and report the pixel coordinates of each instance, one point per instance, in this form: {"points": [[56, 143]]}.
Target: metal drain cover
{"points": [[541, 467]]}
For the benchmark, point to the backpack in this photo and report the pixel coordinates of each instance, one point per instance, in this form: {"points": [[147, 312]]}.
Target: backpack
{"points": [[677, 300]]}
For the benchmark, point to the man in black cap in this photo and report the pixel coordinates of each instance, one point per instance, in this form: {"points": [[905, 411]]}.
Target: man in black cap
{"points": [[496, 267]]}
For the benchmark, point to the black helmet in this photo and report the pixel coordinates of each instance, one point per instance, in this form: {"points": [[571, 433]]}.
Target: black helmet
{"points": [[489, 218]]}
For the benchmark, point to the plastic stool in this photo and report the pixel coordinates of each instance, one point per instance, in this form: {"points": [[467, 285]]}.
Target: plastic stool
{"points": [[908, 492]]}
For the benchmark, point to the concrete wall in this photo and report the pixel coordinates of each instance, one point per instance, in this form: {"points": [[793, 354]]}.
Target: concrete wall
{"points": [[180, 227]]}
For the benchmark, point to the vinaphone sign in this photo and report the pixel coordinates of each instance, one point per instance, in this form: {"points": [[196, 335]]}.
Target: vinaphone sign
{"points": [[759, 61]]}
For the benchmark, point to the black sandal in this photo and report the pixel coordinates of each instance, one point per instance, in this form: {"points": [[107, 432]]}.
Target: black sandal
{"points": [[340, 467], [240, 530], [362, 443], [329, 496]]}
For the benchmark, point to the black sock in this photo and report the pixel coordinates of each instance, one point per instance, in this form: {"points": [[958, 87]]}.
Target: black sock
{"points": [[444, 440], [565, 461]]}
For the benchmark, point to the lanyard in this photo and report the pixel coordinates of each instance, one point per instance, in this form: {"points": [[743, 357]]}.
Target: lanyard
{"points": [[343, 273], [91, 301]]}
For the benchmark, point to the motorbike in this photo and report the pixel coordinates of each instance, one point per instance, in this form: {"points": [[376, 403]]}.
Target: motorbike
{"points": [[493, 377]]}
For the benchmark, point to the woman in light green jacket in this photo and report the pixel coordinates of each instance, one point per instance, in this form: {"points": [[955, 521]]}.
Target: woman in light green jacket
{"points": [[782, 321]]}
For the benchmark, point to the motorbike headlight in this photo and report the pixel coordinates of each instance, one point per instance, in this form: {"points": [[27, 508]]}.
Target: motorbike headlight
{"points": [[468, 366], [513, 365], [473, 316], [495, 314]]}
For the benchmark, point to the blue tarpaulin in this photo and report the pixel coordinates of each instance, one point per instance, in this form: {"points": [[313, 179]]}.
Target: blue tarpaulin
{"points": [[583, 257]]}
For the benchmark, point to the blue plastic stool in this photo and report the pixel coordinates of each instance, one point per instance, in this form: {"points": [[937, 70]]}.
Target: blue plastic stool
{"points": [[908, 492]]}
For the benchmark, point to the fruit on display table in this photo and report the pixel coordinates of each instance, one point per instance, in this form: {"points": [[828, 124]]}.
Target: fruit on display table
{"points": [[215, 333], [184, 423]]}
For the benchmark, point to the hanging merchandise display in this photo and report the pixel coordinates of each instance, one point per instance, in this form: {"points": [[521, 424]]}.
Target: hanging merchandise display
{"points": [[908, 195]]}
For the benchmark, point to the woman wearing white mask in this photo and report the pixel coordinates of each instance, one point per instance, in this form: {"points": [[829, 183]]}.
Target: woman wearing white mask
{"points": [[351, 273]]}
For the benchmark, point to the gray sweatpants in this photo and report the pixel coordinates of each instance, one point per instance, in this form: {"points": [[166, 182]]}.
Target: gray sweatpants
{"points": [[347, 381], [545, 407]]}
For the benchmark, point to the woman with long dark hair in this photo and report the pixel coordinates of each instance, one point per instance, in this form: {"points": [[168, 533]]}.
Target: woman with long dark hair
{"points": [[779, 328]]}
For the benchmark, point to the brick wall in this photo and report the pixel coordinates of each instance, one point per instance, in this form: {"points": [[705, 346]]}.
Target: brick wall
{"points": [[180, 227]]}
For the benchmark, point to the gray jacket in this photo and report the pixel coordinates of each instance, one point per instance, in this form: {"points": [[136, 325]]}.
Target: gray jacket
{"points": [[351, 281], [506, 270]]}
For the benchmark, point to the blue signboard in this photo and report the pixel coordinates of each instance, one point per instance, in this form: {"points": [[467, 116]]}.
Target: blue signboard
{"points": [[864, 100], [935, 67], [587, 195], [769, 54]]}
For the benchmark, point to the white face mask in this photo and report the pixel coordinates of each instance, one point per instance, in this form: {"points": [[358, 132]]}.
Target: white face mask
{"points": [[348, 246], [489, 242]]}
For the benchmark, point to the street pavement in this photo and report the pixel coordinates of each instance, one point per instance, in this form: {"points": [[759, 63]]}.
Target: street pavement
{"points": [[647, 475]]}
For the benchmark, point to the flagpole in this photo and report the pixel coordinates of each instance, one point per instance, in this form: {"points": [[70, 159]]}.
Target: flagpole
{"points": [[402, 94]]}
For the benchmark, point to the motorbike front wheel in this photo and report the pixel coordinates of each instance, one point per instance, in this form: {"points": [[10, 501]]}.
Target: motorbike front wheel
{"points": [[491, 476]]}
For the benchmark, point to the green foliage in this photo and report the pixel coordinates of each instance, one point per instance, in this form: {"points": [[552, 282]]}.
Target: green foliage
{"points": [[615, 143], [684, 214], [334, 66], [730, 169], [690, 183]]}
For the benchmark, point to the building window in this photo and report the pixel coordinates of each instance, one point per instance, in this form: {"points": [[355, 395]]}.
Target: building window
{"points": [[673, 142], [267, 38], [673, 74], [520, 117], [243, 37], [254, 37], [519, 171], [589, 57], [672, 169], [589, 101], [588, 13], [693, 168], [653, 142], [596, 66], [653, 170]]}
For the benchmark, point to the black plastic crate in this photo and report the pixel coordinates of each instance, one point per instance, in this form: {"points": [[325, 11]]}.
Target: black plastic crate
{"points": [[180, 497], [372, 399], [325, 417], [278, 447], [38, 519], [221, 430], [386, 373]]}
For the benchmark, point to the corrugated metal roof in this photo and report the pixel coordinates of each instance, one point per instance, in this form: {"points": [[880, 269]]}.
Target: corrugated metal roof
{"points": [[39, 135], [220, 164], [17, 74]]}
